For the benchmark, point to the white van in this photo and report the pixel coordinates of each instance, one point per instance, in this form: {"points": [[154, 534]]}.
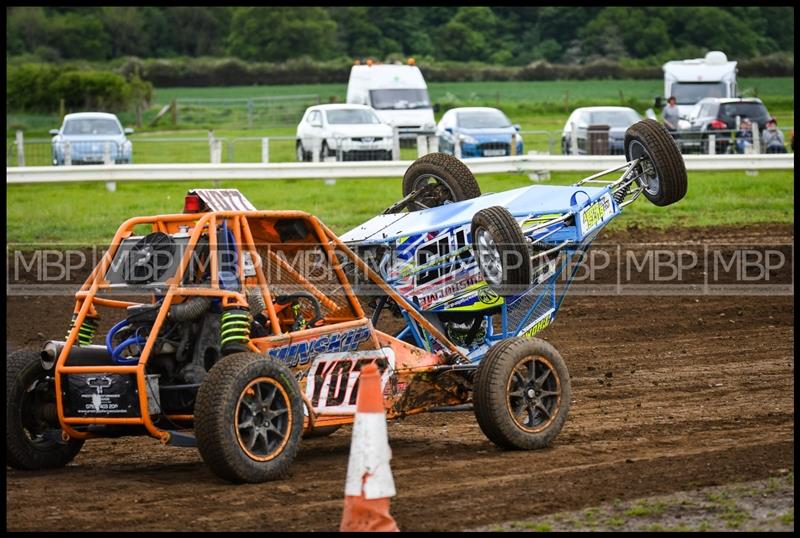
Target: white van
{"points": [[398, 94], [692, 80]]}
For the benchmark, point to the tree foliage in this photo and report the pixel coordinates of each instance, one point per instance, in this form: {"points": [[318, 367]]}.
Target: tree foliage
{"points": [[501, 35]]}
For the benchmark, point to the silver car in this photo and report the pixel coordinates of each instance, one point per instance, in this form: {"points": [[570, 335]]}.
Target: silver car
{"points": [[88, 137], [617, 118]]}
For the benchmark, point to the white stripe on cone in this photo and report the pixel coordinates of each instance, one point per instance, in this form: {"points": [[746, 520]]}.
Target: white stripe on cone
{"points": [[368, 466]]}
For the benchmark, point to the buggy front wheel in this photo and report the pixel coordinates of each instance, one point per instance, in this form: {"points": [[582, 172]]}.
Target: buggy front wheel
{"points": [[662, 169], [522, 393], [439, 179], [249, 418]]}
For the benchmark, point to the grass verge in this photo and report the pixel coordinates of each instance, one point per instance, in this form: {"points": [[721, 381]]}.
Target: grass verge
{"points": [[88, 212]]}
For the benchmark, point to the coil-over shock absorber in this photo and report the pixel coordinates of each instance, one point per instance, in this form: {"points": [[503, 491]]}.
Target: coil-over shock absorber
{"points": [[235, 330], [86, 330]]}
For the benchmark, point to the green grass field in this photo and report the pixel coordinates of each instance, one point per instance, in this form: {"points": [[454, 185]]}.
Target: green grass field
{"points": [[86, 212]]}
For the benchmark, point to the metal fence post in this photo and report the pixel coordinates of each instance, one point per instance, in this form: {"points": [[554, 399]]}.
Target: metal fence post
{"points": [[513, 145], [20, 148], [433, 144], [395, 143], [712, 144], [249, 112], [756, 138], [107, 153], [422, 145], [67, 153], [456, 146], [265, 150], [339, 152]]}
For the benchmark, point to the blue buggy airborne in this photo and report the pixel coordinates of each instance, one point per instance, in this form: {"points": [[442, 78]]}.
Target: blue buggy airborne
{"points": [[485, 269]]}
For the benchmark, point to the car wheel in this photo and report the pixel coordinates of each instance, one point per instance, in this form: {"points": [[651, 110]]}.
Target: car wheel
{"points": [[249, 418], [300, 153], [33, 441], [663, 171], [522, 393], [444, 179], [501, 250]]}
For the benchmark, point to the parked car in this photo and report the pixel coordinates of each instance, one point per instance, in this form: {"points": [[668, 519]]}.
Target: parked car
{"points": [[353, 131], [86, 136], [721, 117], [618, 119], [481, 131]]}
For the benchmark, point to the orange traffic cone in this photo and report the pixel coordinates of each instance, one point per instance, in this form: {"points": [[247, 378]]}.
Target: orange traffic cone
{"points": [[369, 485]]}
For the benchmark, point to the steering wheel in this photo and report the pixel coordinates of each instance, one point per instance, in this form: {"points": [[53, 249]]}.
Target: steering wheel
{"points": [[149, 259], [300, 322]]}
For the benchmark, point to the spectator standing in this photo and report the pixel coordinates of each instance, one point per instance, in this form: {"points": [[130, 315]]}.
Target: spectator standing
{"points": [[671, 116], [772, 138]]}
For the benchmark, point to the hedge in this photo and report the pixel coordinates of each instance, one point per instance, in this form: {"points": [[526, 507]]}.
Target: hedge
{"points": [[40, 88]]}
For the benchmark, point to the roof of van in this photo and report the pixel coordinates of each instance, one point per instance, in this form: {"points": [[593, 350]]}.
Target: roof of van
{"points": [[698, 70], [339, 106], [389, 75]]}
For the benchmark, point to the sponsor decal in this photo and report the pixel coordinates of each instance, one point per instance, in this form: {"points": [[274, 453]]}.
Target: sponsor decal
{"points": [[539, 324], [333, 378], [299, 353], [596, 213]]}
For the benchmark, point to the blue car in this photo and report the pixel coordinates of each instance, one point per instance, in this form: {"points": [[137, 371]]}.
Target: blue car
{"points": [[87, 137], [481, 132]]}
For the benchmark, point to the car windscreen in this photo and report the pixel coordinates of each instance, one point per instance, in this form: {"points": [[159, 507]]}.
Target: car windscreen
{"points": [[351, 116], [754, 111], [613, 118], [399, 99], [485, 119], [688, 93], [94, 126]]}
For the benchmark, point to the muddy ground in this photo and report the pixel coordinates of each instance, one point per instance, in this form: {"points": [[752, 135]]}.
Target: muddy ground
{"points": [[670, 393]]}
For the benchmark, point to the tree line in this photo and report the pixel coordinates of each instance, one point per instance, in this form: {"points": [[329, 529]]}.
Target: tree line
{"points": [[509, 36]]}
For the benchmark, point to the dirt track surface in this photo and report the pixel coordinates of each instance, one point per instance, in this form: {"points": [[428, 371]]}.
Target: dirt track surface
{"points": [[669, 393]]}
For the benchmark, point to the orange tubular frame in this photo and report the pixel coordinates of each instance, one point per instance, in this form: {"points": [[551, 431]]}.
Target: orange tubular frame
{"points": [[87, 298]]}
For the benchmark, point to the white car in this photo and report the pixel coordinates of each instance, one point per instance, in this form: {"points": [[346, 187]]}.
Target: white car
{"points": [[347, 132], [617, 118]]}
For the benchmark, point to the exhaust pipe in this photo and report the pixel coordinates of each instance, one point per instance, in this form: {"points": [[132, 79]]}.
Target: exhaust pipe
{"points": [[50, 353]]}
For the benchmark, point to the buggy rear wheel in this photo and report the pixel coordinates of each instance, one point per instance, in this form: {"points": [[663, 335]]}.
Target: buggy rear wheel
{"points": [[522, 393], [663, 171], [33, 437], [501, 250], [447, 180], [249, 418]]}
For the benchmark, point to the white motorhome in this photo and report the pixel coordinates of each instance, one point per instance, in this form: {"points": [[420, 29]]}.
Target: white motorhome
{"points": [[692, 80], [398, 94]]}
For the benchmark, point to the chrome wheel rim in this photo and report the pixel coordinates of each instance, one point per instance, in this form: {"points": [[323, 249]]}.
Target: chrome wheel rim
{"points": [[648, 178], [489, 257]]}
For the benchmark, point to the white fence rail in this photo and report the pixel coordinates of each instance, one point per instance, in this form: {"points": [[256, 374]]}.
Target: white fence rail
{"points": [[368, 169]]}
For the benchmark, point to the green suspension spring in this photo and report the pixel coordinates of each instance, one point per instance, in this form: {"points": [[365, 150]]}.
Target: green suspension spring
{"points": [[86, 331], [235, 330]]}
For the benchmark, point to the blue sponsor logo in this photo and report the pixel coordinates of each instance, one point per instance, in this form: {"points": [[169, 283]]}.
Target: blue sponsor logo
{"points": [[299, 353]]}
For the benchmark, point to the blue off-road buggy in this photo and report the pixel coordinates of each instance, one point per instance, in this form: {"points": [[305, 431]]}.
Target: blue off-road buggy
{"points": [[490, 271]]}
